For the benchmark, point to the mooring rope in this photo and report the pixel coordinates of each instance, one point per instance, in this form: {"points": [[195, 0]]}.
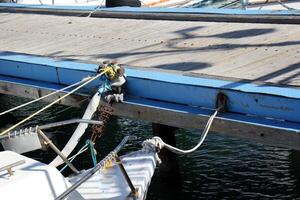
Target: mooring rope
{"points": [[51, 104], [159, 143], [286, 6], [83, 149], [43, 97], [95, 9], [88, 145], [100, 166]]}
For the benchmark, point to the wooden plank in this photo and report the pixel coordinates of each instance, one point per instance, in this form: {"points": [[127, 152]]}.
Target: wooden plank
{"points": [[228, 50], [265, 134], [264, 113], [244, 98], [178, 14], [26, 91]]}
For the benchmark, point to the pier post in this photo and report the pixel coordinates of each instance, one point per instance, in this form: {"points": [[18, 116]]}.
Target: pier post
{"points": [[169, 166], [295, 168]]}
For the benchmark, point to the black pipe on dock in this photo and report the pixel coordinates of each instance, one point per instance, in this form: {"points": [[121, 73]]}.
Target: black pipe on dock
{"points": [[171, 16], [117, 3]]}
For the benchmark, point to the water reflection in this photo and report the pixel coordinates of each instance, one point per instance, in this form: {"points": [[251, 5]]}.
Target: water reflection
{"points": [[224, 168]]}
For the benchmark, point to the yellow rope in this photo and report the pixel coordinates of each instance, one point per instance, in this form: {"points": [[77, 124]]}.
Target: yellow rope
{"points": [[51, 104], [45, 96], [111, 70]]}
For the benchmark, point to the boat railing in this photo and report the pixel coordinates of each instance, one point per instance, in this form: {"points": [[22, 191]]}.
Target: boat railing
{"points": [[95, 169], [9, 167], [37, 132], [50, 125]]}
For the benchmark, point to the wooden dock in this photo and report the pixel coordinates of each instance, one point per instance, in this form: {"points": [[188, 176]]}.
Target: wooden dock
{"points": [[257, 62], [253, 52]]}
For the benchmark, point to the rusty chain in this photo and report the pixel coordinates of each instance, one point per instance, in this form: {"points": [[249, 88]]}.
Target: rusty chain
{"points": [[103, 113]]}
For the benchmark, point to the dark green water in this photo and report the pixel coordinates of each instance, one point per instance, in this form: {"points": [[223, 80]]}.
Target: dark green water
{"points": [[223, 168]]}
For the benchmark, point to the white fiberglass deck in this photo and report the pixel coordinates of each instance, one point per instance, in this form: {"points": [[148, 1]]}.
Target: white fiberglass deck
{"points": [[32, 180], [35, 180], [110, 184]]}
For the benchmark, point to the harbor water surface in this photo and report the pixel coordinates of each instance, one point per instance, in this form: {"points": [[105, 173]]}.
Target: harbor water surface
{"points": [[223, 168]]}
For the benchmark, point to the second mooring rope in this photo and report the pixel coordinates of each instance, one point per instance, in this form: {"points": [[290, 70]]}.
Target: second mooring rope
{"points": [[159, 143], [51, 104], [43, 97]]}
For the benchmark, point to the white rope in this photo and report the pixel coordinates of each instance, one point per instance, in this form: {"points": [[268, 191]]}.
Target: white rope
{"points": [[83, 149], [78, 153], [51, 104], [95, 9], [43, 97], [159, 143], [286, 6]]}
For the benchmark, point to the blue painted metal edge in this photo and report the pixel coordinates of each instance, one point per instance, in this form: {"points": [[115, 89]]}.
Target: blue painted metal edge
{"points": [[158, 10], [244, 98], [89, 69], [39, 60], [52, 7], [40, 84], [251, 120]]}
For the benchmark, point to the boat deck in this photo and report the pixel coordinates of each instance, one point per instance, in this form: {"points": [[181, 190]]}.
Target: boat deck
{"points": [[268, 53]]}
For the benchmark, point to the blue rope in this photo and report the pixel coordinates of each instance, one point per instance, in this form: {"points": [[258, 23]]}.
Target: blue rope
{"points": [[79, 152], [94, 158], [93, 155]]}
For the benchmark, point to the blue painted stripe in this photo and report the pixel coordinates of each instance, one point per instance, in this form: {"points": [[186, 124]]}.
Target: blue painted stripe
{"points": [[51, 7], [251, 120], [260, 104], [220, 11], [39, 60], [160, 10], [29, 71], [244, 98], [67, 70], [214, 83], [246, 119], [32, 83], [39, 84]]}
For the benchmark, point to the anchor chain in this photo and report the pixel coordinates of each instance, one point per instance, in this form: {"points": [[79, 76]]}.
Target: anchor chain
{"points": [[111, 91], [103, 113]]}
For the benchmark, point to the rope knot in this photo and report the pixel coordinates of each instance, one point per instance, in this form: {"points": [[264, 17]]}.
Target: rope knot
{"points": [[155, 144]]}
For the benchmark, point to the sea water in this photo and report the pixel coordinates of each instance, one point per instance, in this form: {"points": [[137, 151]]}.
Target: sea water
{"points": [[223, 167]]}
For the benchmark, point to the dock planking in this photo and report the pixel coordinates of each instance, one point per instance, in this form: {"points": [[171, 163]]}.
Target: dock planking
{"points": [[211, 56], [263, 53]]}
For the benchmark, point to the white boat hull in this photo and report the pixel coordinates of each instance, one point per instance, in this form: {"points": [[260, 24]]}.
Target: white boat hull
{"points": [[35, 180]]}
